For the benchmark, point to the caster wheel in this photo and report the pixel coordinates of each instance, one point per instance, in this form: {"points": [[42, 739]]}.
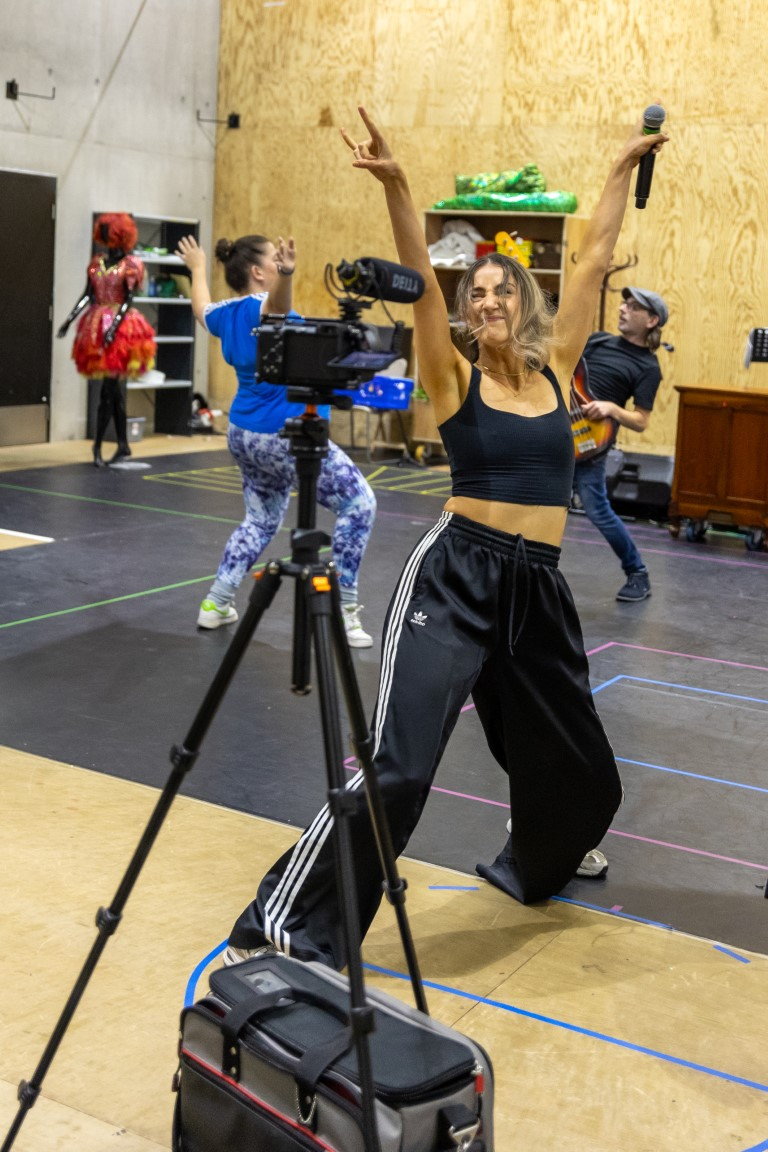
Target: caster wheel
{"points": [[696, 531], [755, 540]]}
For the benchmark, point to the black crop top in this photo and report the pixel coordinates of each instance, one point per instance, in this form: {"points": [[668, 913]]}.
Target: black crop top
{"points": [[496, 455]]}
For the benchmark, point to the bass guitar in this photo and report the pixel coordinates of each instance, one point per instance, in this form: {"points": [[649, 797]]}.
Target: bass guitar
{"points": [[591, 438]]}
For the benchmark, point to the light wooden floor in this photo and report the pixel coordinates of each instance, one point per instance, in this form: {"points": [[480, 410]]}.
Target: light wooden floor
{"points": [[604, 1033], [25, 456]]}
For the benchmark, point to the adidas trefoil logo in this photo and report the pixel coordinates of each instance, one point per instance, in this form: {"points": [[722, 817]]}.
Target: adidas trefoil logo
{"points": [[418, 618]]}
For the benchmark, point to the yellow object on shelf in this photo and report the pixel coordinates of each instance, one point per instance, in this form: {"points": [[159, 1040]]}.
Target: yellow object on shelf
{"points": [[512, 245]]}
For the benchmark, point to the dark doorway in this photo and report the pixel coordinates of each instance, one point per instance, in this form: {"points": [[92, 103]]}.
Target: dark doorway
{"points": [[27, 231]]}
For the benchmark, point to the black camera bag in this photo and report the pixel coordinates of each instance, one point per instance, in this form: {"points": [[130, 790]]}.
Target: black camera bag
{"points": [[268, 1062]]}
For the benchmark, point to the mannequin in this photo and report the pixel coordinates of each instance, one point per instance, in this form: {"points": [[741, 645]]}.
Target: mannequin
{"points": [[114, 342]]}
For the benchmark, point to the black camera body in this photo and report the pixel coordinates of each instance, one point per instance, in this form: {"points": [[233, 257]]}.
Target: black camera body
{"points": [[320, 353]]}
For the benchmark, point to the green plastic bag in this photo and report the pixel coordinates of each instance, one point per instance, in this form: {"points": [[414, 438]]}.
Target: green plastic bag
{"points": [[526, 179], [511, 202]]}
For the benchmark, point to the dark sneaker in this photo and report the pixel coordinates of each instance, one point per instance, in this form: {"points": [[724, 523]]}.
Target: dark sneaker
{"points": [[637, 587]]}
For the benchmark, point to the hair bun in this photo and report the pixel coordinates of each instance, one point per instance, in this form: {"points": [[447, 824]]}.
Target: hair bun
{"points": [[224, 250]]}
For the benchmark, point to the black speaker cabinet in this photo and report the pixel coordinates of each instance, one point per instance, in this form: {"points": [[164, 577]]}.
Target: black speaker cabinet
{"points": [[642, 486]]}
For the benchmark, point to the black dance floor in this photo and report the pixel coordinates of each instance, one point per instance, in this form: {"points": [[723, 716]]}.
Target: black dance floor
{"points": [[101, 666]]}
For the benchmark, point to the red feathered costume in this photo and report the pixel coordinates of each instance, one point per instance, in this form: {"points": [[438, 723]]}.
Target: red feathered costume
{"points": [[132, 352]]}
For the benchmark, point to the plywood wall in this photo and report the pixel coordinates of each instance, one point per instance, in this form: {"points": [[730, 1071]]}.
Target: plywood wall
{"points": [[461, 87]]}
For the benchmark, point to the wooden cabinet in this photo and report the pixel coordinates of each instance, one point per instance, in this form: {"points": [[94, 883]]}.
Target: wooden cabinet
{"points": [[721, 462], [164, 298]]}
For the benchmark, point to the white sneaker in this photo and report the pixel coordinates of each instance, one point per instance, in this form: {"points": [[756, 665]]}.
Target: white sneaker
{"points": [[234, 955], [357, 637], [594, 865], [211, 616]]}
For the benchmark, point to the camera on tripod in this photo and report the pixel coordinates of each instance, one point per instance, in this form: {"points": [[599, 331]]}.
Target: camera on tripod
{"points": [[316, 359]]}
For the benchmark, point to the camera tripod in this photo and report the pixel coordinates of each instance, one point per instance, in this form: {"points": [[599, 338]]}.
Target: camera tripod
{"points": [[317, 618]]}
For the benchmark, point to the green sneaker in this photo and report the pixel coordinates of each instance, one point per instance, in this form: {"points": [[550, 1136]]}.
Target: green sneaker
{"points": [[211, 616]]}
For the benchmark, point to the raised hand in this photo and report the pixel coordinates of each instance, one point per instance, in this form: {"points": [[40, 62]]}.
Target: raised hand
{"points": [[374, 153], [191, 253], [641, 143], [285, 256]]}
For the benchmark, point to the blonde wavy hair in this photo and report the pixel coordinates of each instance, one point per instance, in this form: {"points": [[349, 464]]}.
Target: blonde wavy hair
{"points": [[531, 335]]}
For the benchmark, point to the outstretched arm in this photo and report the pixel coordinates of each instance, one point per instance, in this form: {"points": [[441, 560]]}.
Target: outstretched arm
{"points": [[194, 257], [441, 367], [577, 307], [280, 298], [82, 303]]}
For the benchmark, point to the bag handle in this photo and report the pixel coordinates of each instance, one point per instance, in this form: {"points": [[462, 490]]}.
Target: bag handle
{"points": [[240, 1016]]}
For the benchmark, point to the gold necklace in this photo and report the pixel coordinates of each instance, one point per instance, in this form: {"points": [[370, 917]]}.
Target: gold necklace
{"points": [[498, 372]]}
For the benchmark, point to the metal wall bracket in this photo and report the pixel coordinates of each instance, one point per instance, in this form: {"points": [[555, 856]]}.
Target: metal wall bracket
{"points": [[12, 92], [232, 121]]}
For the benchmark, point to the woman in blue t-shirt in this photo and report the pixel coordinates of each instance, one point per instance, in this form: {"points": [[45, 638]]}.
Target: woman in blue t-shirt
{"points": [[260, 273]]}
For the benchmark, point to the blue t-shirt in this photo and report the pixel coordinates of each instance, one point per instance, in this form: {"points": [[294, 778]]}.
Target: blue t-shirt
{"points": [[257, 407]]}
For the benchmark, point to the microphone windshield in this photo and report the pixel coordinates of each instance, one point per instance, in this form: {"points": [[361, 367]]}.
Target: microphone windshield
{"points": [[382, 280], [653, 118]]}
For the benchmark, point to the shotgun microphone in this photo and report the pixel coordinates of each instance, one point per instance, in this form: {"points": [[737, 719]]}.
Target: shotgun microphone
{"points": [[653, 118], [381, 280]]}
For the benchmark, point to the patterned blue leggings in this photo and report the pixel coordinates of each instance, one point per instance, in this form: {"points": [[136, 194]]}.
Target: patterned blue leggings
{"points": [[269, 472]]}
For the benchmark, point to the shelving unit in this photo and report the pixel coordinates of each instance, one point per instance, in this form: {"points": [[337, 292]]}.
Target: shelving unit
{"points": [[173, 321], [547, 230]]}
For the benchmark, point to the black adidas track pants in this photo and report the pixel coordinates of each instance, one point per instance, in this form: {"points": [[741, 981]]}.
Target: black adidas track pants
{"points": [[476, 611]]}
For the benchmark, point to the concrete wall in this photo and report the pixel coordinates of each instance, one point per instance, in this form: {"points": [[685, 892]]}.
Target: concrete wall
{"points": [[121, 135]]}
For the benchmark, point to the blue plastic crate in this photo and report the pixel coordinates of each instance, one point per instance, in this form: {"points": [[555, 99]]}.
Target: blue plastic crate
{"points": [[384, 392]]}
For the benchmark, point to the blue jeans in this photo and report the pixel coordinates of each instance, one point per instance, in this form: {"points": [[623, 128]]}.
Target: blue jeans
{"points": [[589, 484]]}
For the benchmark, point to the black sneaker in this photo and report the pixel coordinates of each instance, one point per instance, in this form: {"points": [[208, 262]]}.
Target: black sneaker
{"points": [[637, 587]]}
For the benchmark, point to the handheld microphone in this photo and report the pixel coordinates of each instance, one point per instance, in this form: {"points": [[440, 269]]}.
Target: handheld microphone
{"points": [[382, 280], [653, 118]]}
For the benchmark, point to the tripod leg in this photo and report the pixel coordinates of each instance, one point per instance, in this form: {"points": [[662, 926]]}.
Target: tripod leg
{"points": [[182, 757], [302, 653], [341, 803]]}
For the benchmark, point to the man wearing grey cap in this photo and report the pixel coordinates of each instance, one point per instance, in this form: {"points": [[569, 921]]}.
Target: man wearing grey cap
{"points": [[619, 369]]}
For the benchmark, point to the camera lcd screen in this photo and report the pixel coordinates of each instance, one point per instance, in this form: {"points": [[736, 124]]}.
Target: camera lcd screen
{"points": [[366, 360]]}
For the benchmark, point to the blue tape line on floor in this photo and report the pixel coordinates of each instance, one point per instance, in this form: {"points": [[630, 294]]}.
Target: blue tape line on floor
{"points": [[698, 691], [639, 1048], [733, 955], [693, 775], [453, 887], [189, 992], [613, 912]]}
